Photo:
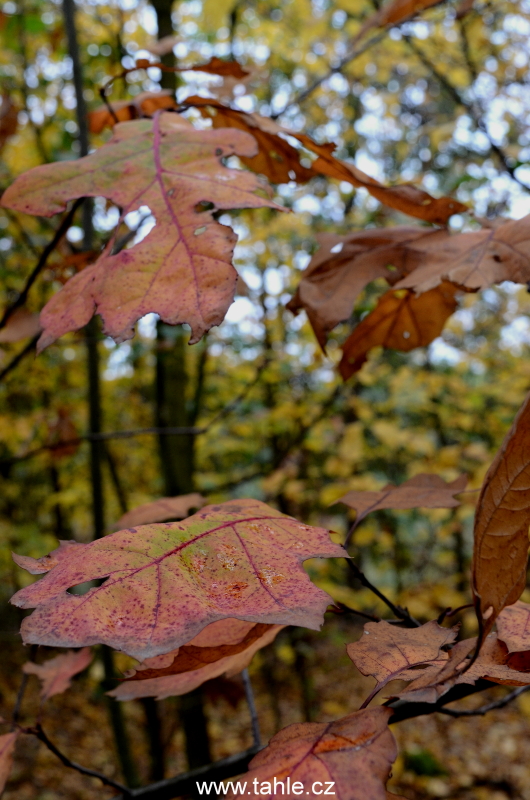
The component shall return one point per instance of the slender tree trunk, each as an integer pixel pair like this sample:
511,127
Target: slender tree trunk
94,396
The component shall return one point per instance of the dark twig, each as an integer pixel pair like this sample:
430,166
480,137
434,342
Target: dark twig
399,612
342,608
249,694
48,250
41,735
18,358
450,612
479,712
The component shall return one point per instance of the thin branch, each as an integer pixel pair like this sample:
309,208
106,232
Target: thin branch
455,94
450,612
249,694
48,250
342,608
304,94
41,735
399,612
479,712
18,358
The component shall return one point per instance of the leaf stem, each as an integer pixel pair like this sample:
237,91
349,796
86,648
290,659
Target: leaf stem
399,612
249,694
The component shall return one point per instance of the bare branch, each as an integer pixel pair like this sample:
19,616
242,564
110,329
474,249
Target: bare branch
249,694
399,612
479,712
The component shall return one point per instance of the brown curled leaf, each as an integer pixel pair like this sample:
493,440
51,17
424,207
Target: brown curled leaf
143,105
513,627
500,553
222,648
400,321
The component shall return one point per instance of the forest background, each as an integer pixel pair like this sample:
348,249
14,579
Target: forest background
441,102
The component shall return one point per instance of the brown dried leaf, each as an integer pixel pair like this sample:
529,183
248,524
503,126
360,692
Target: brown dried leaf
276,158
143,105
7,749
386,651
513,627
474,260
344,265
222,648
56,674
393,13
422,491
161,510
164,45
401,321
502,518
22,324
404,197
355,753
220,66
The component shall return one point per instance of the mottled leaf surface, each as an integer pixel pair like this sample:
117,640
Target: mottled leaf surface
182,269
56,674
160,510
386,651
167,581
502,519
356,753
400,321
422,491
222,648
513,627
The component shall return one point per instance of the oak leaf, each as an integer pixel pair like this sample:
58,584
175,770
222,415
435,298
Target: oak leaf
493,663
56,674
401,321
7,749
500,552
167,581
355,752
393,13
278,160
422,491
21,325
344,265
386,651
222,648
220,66
161,510
38,566
513,627
474,260
182,269
403,197
143,105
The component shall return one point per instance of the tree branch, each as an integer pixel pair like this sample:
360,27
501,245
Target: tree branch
479,712
41,736
400,613
249,694
18,358
48,250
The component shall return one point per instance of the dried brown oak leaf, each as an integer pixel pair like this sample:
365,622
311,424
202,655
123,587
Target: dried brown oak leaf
143,105
500,552
167,581
493,663
474,260
222,648
161,510
344,265
513,627
386,651
182,269
404,197
278,160
220,66
352,755
400,321
422,491
7,750
56,674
